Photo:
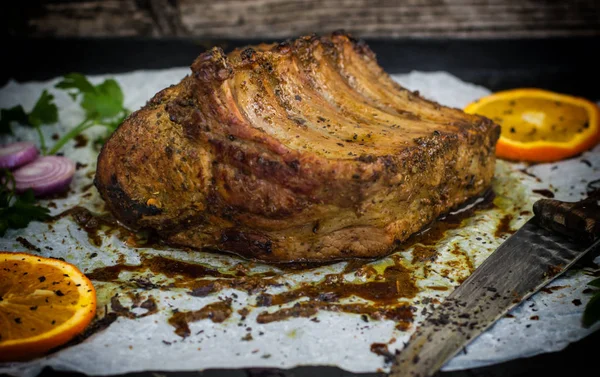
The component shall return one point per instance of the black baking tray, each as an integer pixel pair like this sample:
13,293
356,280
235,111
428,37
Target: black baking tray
561,64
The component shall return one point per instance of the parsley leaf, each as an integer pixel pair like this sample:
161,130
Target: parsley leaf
111,127
44,111
75,81
7,116
591,314
18,211
595,283
105,102
102,103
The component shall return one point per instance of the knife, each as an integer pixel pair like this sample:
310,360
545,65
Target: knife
558,235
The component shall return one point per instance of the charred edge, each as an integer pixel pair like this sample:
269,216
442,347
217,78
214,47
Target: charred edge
212,65
295,165
130,210
284,47
245,244
360,46
248,54
158,99
219,207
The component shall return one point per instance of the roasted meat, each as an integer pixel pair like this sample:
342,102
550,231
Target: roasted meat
299,151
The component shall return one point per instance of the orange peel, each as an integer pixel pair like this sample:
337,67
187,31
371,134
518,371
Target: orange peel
539,125
44,303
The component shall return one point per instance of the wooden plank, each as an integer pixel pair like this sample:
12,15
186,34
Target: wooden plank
288,18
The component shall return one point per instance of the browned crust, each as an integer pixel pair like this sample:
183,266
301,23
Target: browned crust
304,150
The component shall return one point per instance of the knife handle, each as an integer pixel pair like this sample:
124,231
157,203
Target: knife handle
577,220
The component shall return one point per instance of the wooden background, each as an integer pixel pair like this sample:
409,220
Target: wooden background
287,18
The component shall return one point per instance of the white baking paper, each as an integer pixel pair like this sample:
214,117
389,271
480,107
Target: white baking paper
338,339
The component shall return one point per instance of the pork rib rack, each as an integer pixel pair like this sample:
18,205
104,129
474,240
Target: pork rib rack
298,151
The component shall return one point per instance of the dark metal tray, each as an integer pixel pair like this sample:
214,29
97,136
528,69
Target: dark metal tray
559,64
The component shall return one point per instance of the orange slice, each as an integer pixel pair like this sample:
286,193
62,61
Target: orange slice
539,125
43,303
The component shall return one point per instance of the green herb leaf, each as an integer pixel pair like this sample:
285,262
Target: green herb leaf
111,127
14,114
595,283
18,211
75,81
591,314
105,103
44,111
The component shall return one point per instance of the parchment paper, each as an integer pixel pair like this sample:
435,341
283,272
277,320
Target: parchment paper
340,339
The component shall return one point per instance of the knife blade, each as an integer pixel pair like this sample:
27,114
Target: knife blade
558,235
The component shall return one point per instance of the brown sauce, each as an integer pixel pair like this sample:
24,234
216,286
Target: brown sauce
80,141
158,265
250,284
438,288
59,195
381,349
524,171
186,275
355,265
149,304
93,224
552,289
28,245
216,312
382,290
459,253
396,282
367,271
401,313
544,192
421,254
303,266
503,227
87,187
90,222
436,230
117,310
79,165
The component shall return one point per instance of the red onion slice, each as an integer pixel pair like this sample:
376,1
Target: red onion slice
17,154
46,175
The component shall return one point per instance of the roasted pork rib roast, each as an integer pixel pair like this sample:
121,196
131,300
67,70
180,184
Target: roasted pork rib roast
298,151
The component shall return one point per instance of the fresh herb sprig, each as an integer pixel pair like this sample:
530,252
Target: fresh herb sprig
44,112
102,103
103,106
591,313
17,211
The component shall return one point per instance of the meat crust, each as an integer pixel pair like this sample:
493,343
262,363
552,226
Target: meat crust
299,151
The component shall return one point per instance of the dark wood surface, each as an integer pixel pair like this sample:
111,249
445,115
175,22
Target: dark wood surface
560,64
288,18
